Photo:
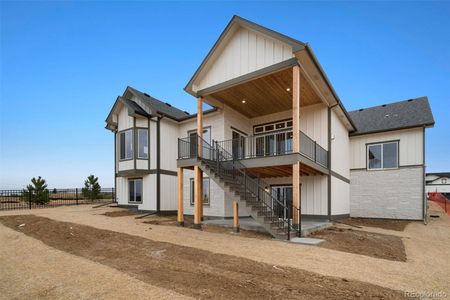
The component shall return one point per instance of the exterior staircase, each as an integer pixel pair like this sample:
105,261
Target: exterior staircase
242,186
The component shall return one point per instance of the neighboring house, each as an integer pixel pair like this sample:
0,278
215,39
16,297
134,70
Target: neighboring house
437,182
279,141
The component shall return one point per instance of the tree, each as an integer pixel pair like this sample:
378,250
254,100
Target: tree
91,188
37,191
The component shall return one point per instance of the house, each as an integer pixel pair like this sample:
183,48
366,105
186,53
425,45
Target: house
437,182
278,145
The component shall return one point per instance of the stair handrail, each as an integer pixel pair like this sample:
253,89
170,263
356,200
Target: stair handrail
222,156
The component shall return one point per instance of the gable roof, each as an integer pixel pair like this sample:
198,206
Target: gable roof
236,20
394,116
158,106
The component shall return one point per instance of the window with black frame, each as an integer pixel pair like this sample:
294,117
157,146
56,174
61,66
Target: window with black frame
206,188
135,190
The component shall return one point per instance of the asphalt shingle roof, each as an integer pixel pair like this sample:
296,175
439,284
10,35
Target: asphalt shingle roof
160,106
397,115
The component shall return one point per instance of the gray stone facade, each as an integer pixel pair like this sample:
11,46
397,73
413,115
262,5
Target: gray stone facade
392,194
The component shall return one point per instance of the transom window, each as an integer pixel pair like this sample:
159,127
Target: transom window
126,144
382,156
278,125
135,190
205,191
143,143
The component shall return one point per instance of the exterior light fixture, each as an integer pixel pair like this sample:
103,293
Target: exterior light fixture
288,89
243,101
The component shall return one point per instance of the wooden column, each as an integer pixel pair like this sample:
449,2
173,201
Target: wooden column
180,215
197,198
198,176
296,142
235,216
200,125
201,195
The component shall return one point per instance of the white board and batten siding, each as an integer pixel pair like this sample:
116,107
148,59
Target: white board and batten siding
340,163
148,192
314,196
410,147
244,51
396,193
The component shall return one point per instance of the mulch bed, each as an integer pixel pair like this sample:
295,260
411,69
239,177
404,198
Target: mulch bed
121,213
361,242
397,225
191,271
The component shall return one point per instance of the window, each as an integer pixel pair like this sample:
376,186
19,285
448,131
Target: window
382,156
143,143
205,191
135,190
126,144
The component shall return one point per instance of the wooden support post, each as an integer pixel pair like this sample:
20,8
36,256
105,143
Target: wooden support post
180,215
235,216
296,144
200,126
197,198
201,195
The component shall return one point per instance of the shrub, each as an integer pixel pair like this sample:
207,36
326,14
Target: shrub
91,188
37,191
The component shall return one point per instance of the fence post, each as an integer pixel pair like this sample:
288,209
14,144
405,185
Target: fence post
76,195
29,198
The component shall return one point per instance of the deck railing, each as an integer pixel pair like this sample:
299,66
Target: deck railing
273,144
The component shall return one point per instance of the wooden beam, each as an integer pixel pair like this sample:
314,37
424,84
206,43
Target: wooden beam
200,125
296,143
180,214
197,198
201,195
235,216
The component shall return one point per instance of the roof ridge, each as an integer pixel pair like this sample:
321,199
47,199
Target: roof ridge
390,103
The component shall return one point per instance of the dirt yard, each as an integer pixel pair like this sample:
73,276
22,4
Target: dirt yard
119,257
398,225
361,242
171,266
189,221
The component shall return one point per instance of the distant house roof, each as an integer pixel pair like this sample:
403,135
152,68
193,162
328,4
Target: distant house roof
441,174
398,115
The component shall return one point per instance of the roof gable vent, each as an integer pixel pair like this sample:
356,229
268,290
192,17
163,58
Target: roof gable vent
186,112
146,94
168,104
384,105
410,100
361,109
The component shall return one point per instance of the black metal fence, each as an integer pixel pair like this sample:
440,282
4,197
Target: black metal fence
23,199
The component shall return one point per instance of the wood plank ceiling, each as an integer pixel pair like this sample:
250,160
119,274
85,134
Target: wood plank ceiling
266,95
283,171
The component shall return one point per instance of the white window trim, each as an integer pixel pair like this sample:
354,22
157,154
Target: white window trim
382,156
120,144
138,144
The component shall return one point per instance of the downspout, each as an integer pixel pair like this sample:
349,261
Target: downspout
115,165
425,221
158,164
329,164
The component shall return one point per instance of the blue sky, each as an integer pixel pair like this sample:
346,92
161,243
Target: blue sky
62,64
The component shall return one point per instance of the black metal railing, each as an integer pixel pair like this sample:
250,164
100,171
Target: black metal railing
251,188
273,144
23,199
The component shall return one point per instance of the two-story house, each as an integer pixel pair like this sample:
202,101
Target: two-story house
279,142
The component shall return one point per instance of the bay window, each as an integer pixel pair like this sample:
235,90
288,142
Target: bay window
126,144
143,143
